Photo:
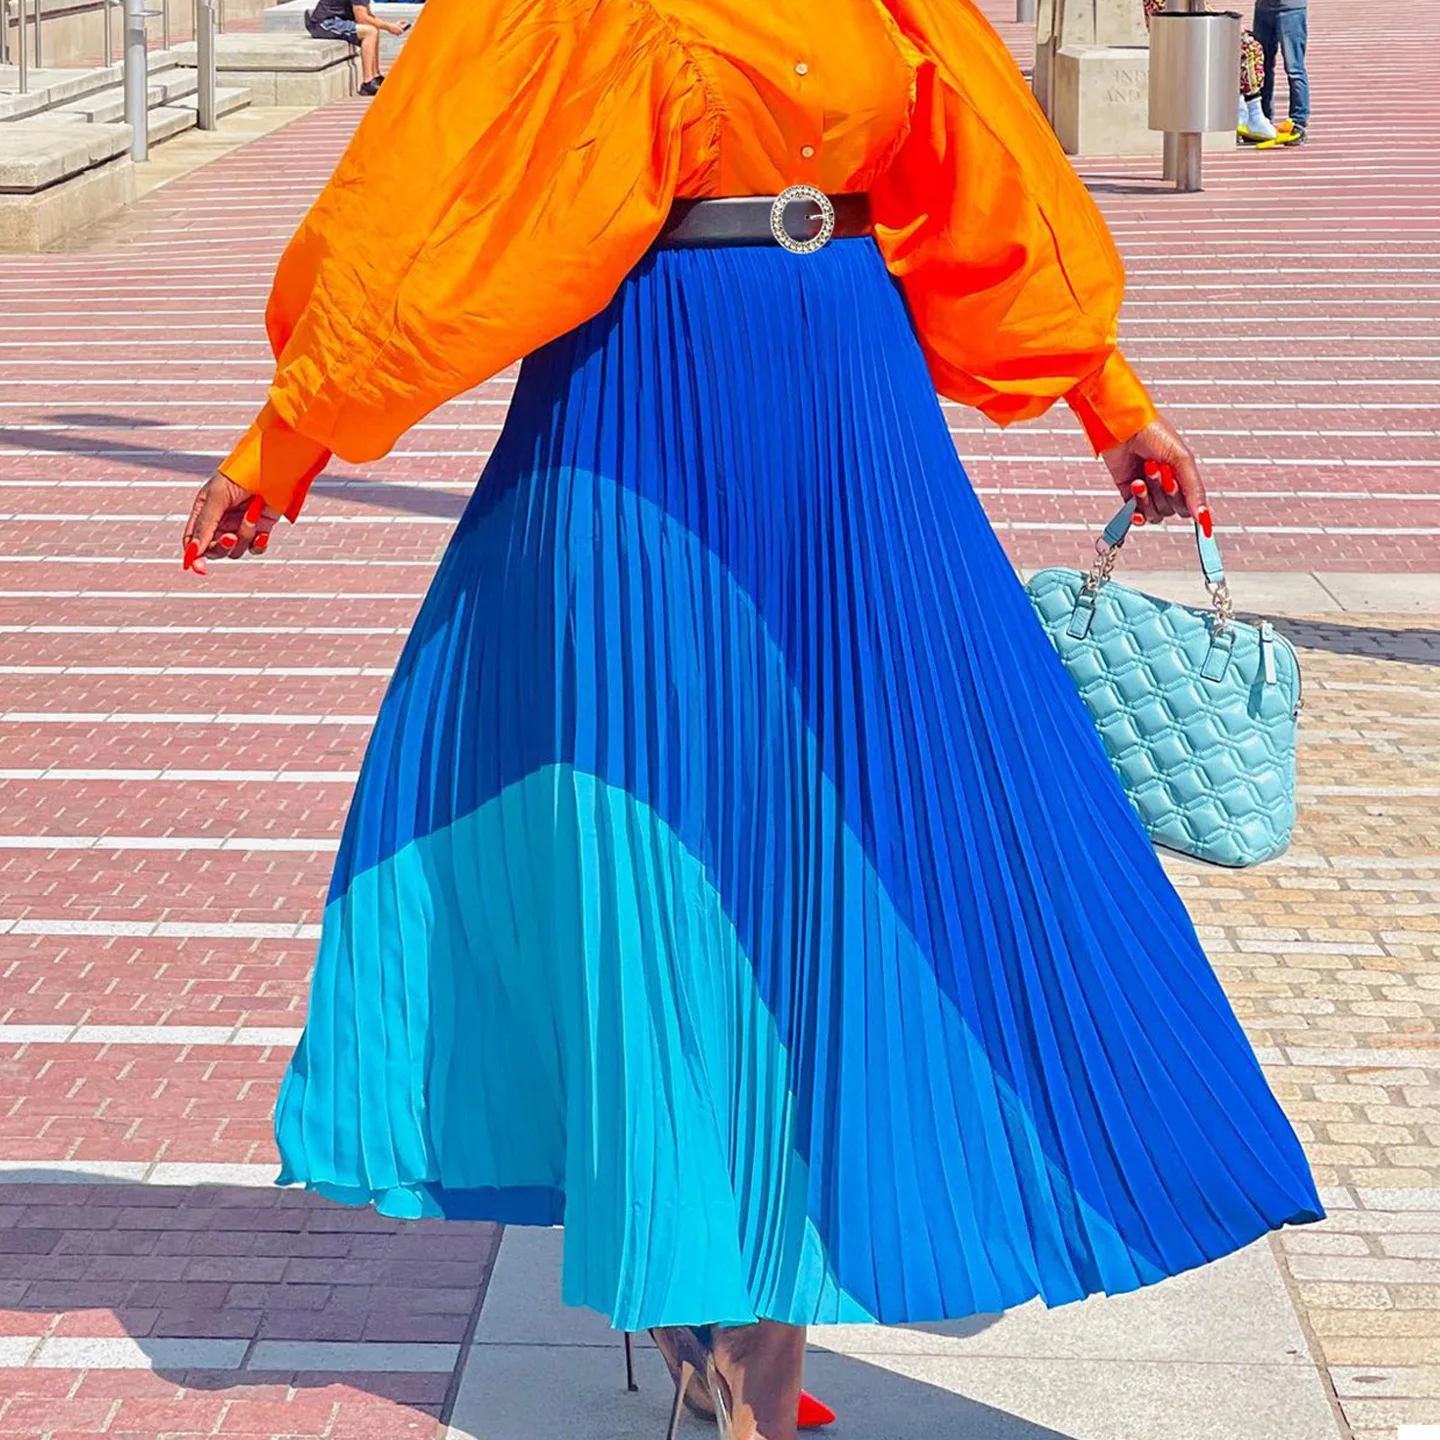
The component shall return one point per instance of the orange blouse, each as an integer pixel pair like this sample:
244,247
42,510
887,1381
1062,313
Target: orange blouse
523,154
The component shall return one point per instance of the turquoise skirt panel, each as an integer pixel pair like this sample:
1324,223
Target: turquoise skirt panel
735,876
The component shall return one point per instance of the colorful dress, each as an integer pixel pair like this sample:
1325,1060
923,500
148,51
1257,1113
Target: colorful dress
734,875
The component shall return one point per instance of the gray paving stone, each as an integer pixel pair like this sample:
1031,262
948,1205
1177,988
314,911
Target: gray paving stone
522,1305
1102,1370
63,1352
1420,1198
399,1357
1373,1267
506,1395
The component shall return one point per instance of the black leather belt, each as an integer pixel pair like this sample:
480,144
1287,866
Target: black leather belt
802,219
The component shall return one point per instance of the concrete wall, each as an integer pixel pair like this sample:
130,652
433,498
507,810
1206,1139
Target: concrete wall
74,33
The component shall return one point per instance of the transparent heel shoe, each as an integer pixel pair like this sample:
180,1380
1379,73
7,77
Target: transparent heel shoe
692,1351
813,1414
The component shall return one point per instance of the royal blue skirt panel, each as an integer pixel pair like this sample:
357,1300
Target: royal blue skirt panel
735,876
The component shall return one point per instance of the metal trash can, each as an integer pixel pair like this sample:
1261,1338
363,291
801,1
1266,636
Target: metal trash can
1194,80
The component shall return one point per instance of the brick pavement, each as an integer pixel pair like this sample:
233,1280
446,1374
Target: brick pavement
135,1307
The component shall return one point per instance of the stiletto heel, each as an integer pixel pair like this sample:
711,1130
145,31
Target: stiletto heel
682,1385
720,1393
693,1349
697,1352
630,1384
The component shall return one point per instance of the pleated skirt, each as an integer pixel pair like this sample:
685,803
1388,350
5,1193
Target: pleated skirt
735,878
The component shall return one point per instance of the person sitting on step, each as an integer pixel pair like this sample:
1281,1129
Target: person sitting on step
353,21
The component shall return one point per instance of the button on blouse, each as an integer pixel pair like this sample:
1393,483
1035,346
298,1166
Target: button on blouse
525,153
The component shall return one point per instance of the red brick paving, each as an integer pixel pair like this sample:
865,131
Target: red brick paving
1287,318
62,981
1281,315
155,1264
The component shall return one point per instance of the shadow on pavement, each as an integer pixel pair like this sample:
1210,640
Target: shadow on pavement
106,420
878,1404
1420,646
220,1288
389,495
576,1393
217,1289
376,494
152,457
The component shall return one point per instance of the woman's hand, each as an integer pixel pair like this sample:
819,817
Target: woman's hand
1156,469
225,520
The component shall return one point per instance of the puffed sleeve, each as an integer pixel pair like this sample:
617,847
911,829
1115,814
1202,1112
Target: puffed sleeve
1010,273
519,160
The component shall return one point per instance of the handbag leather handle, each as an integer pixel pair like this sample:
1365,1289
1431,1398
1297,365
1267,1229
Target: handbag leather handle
1207,548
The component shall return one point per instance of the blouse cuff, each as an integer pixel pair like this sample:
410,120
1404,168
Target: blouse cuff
275,461
1112,404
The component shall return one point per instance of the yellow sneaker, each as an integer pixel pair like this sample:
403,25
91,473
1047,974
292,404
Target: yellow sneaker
1293,136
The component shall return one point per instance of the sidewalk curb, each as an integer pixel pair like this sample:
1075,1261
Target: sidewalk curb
1309,592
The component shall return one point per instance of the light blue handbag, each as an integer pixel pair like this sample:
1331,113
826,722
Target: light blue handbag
1198,710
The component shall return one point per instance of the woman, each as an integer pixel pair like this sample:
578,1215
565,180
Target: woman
734,873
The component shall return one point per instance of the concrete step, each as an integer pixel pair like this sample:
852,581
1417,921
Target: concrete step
284,69
52,88
169,119
228,99
166,121
104,107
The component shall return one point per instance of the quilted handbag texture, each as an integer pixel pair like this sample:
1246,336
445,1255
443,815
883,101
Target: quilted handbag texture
1198,710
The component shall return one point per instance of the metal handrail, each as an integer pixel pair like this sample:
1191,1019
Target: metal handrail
205,64
23,45
24,50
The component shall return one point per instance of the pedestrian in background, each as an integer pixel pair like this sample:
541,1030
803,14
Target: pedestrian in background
354,22
1282,27
1254,125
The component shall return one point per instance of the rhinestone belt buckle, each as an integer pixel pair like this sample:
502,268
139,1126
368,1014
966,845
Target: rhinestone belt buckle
826,219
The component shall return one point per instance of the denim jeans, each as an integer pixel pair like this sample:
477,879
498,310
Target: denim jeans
1285,31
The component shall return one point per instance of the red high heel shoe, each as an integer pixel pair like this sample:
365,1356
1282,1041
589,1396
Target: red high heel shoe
813,1414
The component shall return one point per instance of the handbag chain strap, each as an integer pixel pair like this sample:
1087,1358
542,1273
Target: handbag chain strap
1107,554
1221,604
1104,566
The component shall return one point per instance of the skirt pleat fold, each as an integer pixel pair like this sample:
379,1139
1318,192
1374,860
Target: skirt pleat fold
735,876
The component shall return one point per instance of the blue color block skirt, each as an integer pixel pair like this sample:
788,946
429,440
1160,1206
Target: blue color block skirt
735,876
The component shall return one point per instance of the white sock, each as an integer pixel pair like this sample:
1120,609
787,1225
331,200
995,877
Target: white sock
1255,121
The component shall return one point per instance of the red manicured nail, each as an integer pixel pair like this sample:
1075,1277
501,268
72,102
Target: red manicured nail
1138,520
1152,468
1167,479
1207,521
1137,489
254,509
260,541
227,542
192,551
